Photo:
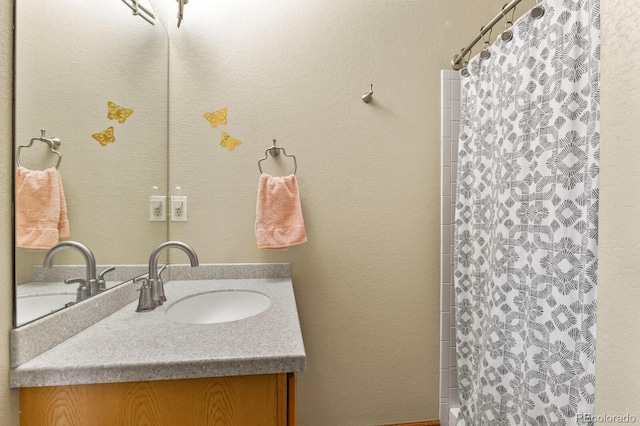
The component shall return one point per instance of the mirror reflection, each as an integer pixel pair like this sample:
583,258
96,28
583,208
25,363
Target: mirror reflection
93,76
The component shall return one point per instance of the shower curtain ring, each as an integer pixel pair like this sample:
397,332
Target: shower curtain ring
538,11
485,54
464,71
507,34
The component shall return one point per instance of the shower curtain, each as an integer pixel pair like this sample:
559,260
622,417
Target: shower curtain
526,234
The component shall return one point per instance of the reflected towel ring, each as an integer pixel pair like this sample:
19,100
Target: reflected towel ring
54,143
275,151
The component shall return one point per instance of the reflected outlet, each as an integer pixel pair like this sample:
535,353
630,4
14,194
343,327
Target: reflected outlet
157,208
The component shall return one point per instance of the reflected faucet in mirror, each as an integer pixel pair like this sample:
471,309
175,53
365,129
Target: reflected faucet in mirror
134,48
152,290
88,286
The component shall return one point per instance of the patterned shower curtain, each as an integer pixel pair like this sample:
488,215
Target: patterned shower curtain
527,223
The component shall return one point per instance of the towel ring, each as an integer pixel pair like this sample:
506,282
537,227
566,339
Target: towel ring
54,143
275,151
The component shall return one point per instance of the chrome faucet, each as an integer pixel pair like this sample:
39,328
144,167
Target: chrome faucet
154,281
89,286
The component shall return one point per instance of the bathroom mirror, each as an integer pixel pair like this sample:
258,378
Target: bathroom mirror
94,75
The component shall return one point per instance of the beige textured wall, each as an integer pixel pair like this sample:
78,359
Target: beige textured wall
8,398
618,369
368,298
122,59
366,282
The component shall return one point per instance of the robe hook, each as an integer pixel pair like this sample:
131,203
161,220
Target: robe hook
366,98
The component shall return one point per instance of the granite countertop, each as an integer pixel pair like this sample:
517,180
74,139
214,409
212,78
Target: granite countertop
132,346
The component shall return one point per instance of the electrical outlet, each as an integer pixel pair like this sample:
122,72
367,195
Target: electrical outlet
179,208
157,208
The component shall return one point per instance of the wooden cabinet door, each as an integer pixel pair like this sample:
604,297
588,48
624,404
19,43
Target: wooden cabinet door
262,400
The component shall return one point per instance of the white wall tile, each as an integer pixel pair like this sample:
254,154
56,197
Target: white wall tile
445,305
450,97
453,396
455,110
445,273
445,323
446,151
446,92
446,182
445,239
445,261
445,358
446,123
444,414
453,375
456,90
446,205
445,375
455,130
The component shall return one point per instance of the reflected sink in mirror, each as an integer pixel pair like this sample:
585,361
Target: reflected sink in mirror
29,308
56,72
218,306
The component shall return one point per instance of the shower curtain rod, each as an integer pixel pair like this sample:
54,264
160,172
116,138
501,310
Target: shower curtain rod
456,62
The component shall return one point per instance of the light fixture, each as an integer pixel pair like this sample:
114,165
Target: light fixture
181,4
145,12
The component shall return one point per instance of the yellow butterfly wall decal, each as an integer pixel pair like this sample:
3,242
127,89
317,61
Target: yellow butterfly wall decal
116,112
216,118
105,137
229,142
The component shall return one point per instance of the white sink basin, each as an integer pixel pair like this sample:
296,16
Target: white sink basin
218,306
29,308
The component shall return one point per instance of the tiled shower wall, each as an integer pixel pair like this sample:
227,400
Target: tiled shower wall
450,113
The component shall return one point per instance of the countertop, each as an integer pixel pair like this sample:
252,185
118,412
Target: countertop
131,346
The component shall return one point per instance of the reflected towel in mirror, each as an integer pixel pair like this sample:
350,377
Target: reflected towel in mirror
279,221
41,209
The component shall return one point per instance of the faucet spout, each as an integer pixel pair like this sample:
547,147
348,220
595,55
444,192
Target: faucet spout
89,259
155,254
156,284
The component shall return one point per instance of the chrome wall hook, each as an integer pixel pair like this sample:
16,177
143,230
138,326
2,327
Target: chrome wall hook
366,98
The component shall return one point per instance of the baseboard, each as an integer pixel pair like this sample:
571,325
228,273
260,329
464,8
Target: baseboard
423,423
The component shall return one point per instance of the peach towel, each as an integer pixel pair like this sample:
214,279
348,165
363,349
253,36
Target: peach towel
41,209
279,222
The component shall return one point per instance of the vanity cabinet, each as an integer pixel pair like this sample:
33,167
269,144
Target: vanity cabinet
264,400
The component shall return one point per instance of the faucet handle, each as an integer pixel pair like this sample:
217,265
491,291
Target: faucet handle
84,292
160,286
145,302
102,284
